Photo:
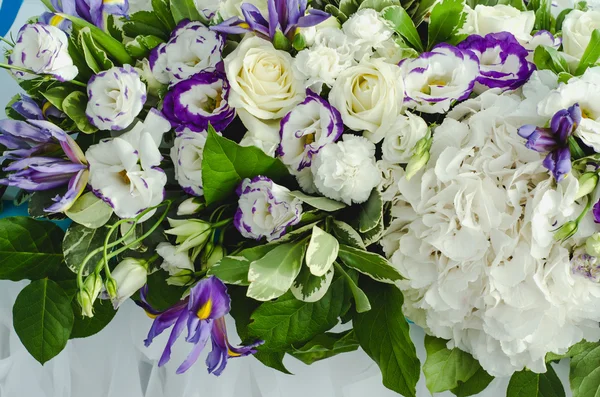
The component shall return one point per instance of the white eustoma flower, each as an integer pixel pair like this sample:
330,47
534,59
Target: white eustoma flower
124,170
369,97
366,31
187,153
263,83
403,136
346,171
174,261
499,18
116,97
130,275
192,48
577,30
43,49
585,91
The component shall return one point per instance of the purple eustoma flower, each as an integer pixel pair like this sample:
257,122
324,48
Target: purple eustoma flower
596,212
33,145
203,312
554,140
199,101
93,11
285,16
502,61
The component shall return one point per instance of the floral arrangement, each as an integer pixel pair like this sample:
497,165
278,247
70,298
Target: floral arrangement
319,171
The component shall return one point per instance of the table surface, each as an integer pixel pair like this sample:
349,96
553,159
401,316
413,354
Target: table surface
115,362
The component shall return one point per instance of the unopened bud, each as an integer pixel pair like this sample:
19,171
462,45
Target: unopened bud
587,183
130,276
191,233
592,245
89,293
190,206
299,42
281,42
566,231
420,157
181,278
111,288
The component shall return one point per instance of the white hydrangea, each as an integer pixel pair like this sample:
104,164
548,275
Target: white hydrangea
473,234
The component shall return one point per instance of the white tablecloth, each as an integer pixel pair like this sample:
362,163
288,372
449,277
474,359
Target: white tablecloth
115,362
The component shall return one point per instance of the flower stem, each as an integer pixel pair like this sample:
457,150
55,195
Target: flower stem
7,42
588,205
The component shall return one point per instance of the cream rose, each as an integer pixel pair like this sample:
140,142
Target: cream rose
502,18
262,79
369,96
577,30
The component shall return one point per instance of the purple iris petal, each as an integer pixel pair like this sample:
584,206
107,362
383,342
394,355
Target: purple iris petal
93,11
209,300
596,212
559,163
541,140
565,121
28,108
222,350
313,18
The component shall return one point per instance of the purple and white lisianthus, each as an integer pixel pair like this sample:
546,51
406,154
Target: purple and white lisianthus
265,209
187,153
43,49
437,79
93,11
199,101
32,145
203,312
116,97
541,38
554,140
192,48
502,61
124,171
310,126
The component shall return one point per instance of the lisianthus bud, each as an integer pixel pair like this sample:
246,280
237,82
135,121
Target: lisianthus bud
587,183
592,245
191,233
181,278
111,288
565,231
299,42
130,275
190,206
88,295
281,42
420,156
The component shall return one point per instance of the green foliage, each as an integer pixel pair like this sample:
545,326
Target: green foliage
585,372
74,106
161,295
29,249
225,164
371,212
591,54
325,346
530,384
162,9
475,385
403,25
347,235
185,9
548,58
447,17
145,23
57,95
95,57
573,351
361,301
322,251
383,333
320,203
378,5
43,199
543,15
234,269
80,241
43,319
310,288
84,327
369,263
90,211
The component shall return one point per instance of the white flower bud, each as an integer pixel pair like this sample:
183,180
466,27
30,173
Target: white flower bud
130,275
190,206
86,297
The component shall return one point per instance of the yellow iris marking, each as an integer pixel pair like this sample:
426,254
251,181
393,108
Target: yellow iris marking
205,310
152,316
112,2
56,20
244,25
232,354
45,108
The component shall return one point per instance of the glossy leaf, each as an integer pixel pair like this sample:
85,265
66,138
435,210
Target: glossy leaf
403,25
90,211
85,327
320,203
310,288
79,241
322,251
371,264
530,384
74,106
585,372
234,269
361,300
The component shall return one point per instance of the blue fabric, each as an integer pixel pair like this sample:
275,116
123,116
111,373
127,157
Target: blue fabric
8,14
9,209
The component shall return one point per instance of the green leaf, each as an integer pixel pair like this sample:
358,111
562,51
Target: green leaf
29,249
475,385
347,235
90,211
383,333
85,326
225,164
573,351
74,106
43,319
322,251
371,212
371,264
145,23
234,269
548,58
543,16
422,10
445,368
518,4
447,17
585,372
272,275
57,95
185,9
360,298
310,288
162,10
79,241
335,12
530,384
374,235
272,360
403,25
289,322
242,308
378,5
349,7
320,203
112,28
95,57
591,54
561,18
161,295
325,346
43,199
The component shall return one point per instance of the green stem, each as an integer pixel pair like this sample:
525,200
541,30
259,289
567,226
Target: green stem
7,42
48,4
18,68
79,83
222,223
576,151
588,205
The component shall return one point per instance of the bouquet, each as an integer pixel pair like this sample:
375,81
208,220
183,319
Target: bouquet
320,171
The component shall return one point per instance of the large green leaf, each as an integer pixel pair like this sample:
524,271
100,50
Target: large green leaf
346,234
447,17
573,351
56,95
272,275
29,249
548,58
585,372
90,211
325,346
371,212
289,322
74,106
161,295
322,251
79,241
85,326
310,288
162,10
361,300
445,368
403,25
145,23
591,54
383,333
43,319
95,57
530,384
369,263
225,164
475,385
185,9
234,269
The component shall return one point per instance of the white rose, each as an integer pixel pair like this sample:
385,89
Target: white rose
346,171
233,8
262,79
116,97
43,49
504,18
402,138
187,153
369,97
577,30
130,275
366,31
